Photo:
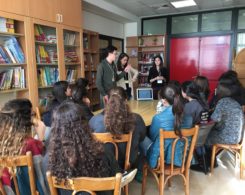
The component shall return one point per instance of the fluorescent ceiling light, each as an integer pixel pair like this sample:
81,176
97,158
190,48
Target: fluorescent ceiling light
185,3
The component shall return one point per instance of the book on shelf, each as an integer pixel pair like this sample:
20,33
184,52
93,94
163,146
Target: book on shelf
47,76
7,25
71,75
13,78
69,38
11,52
39,33
71,56
42,55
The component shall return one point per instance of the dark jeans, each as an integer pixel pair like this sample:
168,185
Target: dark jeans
128,91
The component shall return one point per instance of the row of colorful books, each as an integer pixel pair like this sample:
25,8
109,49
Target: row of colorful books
7,25
46,55
47,76
11,52
12,78
40,35
71,75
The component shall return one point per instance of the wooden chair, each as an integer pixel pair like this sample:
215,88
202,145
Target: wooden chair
203,132
125,138
19,161
170,170
237,149
86,184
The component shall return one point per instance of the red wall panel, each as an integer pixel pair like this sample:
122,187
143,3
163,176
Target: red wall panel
184,54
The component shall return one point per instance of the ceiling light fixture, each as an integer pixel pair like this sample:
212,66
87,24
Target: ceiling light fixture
185,3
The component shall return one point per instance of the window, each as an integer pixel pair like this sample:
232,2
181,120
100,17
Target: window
184,24
240,42
154,26
241,19
216,21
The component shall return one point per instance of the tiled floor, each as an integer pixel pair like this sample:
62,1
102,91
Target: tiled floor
224,181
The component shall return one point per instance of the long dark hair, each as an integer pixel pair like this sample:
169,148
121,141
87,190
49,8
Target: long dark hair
118,117
203,85
15,126
154,64
73,152
119,65
170,93
192,90
78,93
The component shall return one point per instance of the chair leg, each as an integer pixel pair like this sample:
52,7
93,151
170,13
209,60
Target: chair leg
144,175
126,190
204,161
187,187
161,184
169,182
213,158
241,162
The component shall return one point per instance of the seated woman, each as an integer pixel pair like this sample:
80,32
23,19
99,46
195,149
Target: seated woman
15,139
118,119
195,106
78,94
172,118
61,92
73,152
228,116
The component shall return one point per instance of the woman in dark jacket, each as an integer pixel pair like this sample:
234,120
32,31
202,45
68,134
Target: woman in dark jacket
158,75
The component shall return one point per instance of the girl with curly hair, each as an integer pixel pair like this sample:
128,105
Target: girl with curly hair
118,119
73,152
16,124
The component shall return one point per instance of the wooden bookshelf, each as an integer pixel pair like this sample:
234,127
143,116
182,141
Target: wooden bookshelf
91,61
141,50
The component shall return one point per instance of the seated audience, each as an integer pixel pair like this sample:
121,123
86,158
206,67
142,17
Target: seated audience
195,105
78,94
16,125
61,92
171,119
118,119
73,152
84,84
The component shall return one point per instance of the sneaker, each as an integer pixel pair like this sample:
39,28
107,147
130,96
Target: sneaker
139,176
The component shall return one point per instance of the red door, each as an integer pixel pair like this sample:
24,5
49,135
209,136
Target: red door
184,54
214,58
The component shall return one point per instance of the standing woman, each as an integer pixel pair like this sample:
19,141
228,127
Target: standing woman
158,75
129,78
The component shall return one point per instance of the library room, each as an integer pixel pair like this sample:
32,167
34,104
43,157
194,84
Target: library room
122,97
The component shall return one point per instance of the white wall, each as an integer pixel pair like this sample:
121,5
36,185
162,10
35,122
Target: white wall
102,25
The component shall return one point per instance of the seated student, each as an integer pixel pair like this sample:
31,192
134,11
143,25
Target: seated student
73,152
78,94
195,105
61,92
228,116
170,119
118,119
203,86
15,139
84,84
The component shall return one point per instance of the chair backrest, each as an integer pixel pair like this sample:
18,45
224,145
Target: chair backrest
86,184
124,138
12,162
189,137
203,132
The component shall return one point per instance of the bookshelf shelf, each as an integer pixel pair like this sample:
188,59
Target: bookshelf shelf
12,65
47,64
73,64
7,34
12,90
74,46
45,87
46,43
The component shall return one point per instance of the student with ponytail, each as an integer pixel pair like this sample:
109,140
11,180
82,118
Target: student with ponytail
171,119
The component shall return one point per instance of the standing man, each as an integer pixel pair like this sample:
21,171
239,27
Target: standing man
107,76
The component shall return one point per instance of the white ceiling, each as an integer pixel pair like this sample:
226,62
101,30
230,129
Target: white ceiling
146,8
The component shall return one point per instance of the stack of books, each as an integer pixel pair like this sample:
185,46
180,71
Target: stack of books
39,33
69,38
42,54
71,56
